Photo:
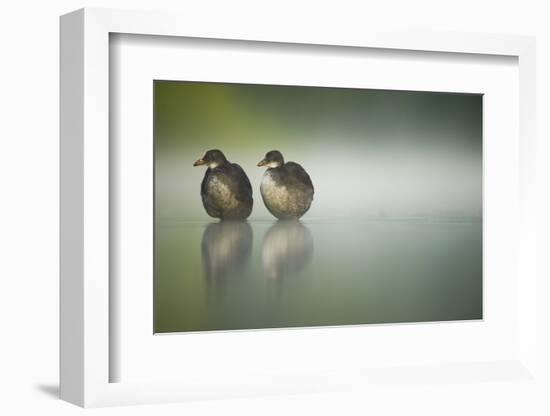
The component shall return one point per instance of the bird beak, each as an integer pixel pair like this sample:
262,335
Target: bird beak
199,162
262,162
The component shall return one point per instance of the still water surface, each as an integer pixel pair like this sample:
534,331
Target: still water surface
248,275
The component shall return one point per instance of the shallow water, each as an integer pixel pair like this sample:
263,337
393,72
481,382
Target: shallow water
244,275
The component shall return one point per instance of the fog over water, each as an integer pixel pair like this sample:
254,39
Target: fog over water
394,233
369,153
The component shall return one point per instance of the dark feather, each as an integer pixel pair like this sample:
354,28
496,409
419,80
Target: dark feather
289,192
233,177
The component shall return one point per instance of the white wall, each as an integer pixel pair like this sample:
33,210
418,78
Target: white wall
29,216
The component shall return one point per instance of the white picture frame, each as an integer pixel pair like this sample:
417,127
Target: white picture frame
85,203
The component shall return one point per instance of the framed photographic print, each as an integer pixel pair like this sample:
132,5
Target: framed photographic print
228,197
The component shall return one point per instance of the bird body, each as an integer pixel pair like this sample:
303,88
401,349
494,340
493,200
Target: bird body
286,188
225,190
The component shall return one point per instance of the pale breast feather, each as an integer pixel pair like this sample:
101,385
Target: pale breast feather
274,194
220,192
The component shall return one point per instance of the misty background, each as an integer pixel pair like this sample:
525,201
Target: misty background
394,233
370,153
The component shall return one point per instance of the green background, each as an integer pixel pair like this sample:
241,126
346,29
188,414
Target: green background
394,231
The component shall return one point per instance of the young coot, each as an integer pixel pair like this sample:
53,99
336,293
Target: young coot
225,190
286,188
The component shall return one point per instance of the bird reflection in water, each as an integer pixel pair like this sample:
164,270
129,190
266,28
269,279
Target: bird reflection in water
287,249
226,248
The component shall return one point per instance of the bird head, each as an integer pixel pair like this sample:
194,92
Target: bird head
272,159
212,159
